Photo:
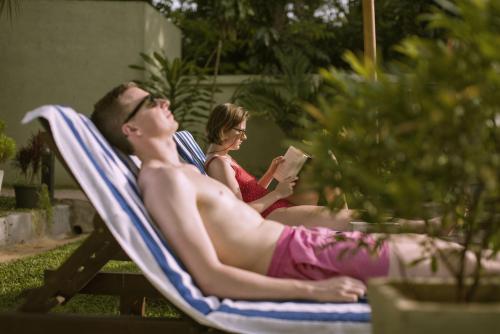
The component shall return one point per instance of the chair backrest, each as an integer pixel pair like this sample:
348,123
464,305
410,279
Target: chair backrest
111,187
187,147
189,150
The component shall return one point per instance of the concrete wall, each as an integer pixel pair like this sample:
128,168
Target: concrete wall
70,52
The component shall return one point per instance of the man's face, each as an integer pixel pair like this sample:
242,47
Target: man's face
150,114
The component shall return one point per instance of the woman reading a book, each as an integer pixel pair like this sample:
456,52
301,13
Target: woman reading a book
226,131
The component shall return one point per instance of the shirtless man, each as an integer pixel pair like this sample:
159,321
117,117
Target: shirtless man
229,249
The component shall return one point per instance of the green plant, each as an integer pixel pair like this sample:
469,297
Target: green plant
280,98
425,134
28,159
180,82
44,202
7,145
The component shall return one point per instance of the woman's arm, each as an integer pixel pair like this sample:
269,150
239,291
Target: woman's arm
221,170
266,179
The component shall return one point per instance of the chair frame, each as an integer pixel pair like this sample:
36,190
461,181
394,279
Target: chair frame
81,273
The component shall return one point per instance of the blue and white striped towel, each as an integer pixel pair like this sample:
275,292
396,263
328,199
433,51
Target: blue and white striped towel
189,150
112,189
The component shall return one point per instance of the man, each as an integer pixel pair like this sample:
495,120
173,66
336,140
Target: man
225,244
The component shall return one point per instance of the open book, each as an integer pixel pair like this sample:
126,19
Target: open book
294,160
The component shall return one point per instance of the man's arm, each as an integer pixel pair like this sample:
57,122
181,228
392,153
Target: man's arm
170,198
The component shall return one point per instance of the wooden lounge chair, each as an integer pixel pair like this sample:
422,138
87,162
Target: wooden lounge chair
123,230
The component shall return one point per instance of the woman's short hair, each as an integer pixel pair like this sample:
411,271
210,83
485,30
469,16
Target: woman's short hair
223,118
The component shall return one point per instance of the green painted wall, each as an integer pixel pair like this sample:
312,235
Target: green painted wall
71,52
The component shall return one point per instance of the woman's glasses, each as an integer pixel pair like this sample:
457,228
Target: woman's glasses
241,132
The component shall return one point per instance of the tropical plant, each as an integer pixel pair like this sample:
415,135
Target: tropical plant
29,157
184,85
7,145
280,98
427,132
250,30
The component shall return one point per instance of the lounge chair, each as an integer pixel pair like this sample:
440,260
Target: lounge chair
125,230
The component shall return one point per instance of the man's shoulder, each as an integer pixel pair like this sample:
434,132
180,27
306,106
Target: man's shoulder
162,174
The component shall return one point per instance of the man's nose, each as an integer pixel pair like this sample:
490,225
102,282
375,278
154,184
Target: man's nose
165,103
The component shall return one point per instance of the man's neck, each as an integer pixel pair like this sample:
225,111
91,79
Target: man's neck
159,149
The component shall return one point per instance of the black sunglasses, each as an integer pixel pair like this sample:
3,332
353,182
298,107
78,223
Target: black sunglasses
148,100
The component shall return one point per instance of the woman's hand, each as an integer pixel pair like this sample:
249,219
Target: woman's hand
268,176
285,188
275,163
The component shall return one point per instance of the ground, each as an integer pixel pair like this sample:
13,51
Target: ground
17,251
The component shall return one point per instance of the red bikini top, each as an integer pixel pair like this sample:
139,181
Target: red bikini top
250,189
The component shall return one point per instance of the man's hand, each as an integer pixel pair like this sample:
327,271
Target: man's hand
338,289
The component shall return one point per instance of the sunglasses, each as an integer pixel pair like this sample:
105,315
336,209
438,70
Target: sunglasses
149,101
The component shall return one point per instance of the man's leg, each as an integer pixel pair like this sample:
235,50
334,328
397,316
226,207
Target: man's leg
407,249
312,216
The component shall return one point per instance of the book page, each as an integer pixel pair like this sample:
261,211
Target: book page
294,160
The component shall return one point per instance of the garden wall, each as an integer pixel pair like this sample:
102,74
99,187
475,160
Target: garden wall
70,52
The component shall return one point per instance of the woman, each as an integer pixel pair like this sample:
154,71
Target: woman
226,131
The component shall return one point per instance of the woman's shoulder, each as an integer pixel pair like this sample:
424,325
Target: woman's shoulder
219,160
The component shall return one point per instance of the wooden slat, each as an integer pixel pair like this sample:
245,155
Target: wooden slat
32,323
132,305
117,284
75,273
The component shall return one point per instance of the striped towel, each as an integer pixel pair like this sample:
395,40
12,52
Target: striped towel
112,189
189,150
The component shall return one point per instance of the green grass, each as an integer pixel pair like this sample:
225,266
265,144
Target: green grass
26,273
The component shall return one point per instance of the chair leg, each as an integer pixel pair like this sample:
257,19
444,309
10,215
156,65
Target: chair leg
75,273
132,305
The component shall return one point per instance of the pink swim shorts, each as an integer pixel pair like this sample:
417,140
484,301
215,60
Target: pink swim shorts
320,253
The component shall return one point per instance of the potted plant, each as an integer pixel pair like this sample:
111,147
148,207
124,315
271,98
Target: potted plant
423,137
7,150
28,161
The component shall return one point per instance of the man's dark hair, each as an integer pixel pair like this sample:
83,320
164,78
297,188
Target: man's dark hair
109,115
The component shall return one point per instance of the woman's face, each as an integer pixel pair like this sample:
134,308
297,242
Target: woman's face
235,136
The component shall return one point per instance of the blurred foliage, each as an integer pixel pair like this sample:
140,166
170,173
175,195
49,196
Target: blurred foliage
7,145
425,134
183,84
322,29
280,98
